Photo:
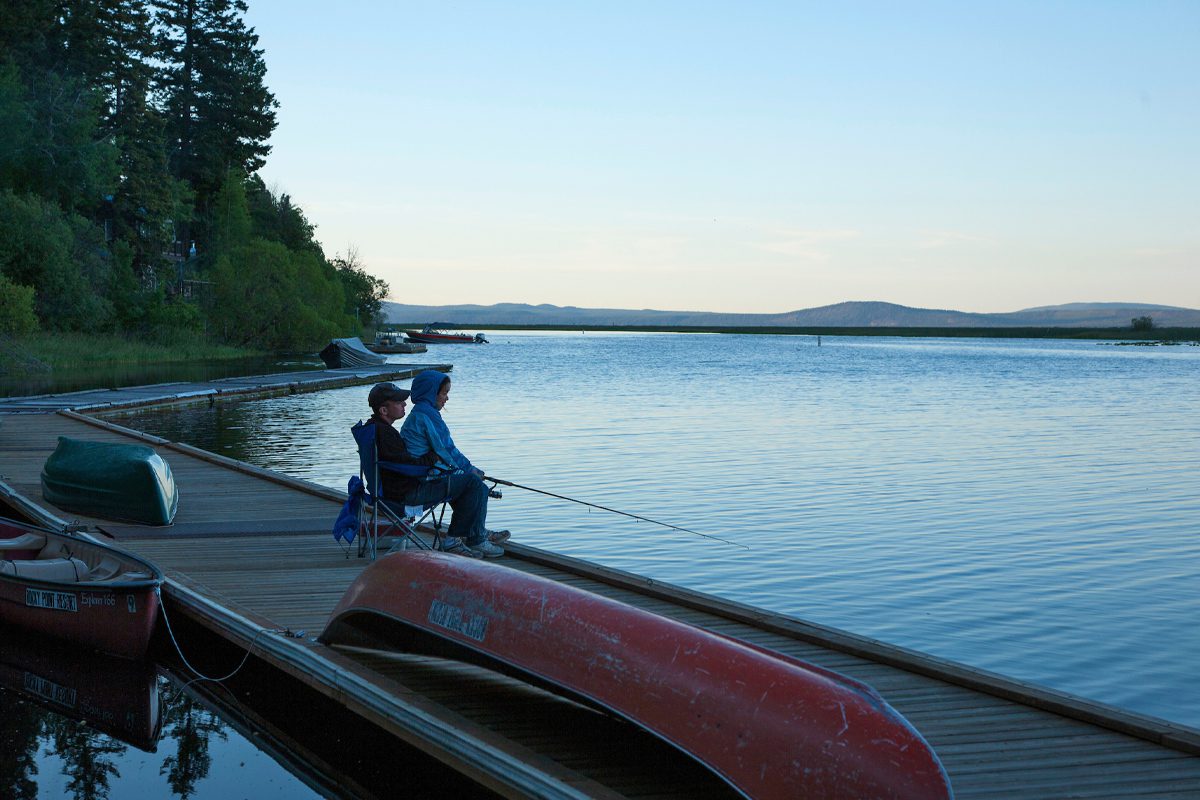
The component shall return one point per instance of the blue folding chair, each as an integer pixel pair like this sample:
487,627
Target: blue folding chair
399,520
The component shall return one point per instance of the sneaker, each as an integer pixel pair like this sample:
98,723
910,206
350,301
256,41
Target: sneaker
496,537
456,546
486,549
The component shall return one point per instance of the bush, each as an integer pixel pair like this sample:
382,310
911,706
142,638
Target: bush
16,308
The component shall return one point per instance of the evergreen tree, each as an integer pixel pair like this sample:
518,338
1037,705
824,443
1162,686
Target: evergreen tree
108,45
148,199
219,110
127,125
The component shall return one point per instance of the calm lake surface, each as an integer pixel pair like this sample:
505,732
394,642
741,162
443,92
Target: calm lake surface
1025,506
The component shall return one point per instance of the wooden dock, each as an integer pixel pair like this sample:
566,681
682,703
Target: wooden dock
97,401
251,558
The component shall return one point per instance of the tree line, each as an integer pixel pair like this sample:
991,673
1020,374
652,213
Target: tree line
131,132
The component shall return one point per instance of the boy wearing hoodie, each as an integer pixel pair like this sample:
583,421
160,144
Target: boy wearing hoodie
425,435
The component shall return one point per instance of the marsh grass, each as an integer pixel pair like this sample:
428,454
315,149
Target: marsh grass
67,350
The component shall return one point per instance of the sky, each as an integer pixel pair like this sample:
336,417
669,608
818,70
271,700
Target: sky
750,156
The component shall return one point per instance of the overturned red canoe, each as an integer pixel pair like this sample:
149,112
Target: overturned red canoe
771,726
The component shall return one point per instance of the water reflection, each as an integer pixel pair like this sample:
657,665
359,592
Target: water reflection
89,727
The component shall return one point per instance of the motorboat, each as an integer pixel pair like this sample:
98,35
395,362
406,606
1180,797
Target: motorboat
393,342
442,333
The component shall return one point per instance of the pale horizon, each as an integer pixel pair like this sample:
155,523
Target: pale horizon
745,158
1119,303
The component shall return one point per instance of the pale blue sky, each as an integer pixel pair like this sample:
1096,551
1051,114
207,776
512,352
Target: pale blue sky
746,156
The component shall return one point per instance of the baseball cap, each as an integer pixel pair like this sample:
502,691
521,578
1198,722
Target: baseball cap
382,392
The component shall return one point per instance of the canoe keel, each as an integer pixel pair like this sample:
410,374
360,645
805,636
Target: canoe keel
770,725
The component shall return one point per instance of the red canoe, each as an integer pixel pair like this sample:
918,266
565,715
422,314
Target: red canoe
77,589
770,725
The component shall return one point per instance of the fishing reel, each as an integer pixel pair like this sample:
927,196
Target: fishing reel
495,493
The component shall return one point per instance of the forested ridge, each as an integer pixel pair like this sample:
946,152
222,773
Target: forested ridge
131,132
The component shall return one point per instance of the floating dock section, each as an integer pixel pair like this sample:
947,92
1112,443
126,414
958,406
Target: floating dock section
251,558
96,401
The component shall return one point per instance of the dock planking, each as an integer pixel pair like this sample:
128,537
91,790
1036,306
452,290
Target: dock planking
251,557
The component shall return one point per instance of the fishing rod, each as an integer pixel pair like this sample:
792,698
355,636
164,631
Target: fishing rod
613,510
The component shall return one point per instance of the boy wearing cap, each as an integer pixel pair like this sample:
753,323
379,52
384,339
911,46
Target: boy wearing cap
466,493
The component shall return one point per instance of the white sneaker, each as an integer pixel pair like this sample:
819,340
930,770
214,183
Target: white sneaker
486,549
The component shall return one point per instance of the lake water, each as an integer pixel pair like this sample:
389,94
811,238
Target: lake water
1024,506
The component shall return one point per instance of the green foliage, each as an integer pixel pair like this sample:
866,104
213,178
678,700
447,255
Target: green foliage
219,110
129,131
364,292
230,217
16,308
60,256
270,297
52,145
1143,323
152,314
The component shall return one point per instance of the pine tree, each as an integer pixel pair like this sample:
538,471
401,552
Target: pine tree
220,112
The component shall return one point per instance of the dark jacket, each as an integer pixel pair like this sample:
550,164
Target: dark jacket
390,447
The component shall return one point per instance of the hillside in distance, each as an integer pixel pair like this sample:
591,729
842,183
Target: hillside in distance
840,315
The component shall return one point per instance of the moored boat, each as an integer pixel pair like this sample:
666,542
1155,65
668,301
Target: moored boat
77,589
393,342
343,353
771,726
440,333
110,480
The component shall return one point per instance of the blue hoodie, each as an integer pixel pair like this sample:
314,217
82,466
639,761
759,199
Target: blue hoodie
425,430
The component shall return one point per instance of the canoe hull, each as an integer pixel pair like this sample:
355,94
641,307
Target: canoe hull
115,616
128,482
771,726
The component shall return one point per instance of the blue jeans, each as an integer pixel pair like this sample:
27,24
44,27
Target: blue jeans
468,497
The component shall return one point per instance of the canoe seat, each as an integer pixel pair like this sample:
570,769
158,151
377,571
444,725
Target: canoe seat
65,570
25,546
26,541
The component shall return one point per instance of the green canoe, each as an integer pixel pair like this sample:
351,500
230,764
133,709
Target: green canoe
128,482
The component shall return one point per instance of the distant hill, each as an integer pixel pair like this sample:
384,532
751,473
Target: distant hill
839,315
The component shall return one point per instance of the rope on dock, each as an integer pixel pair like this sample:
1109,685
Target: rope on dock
200,675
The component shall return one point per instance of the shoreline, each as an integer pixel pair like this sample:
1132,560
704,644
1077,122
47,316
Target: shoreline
1123,334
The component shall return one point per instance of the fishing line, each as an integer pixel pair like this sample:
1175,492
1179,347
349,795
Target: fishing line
615,511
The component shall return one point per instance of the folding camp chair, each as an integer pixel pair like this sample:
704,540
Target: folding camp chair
398,520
